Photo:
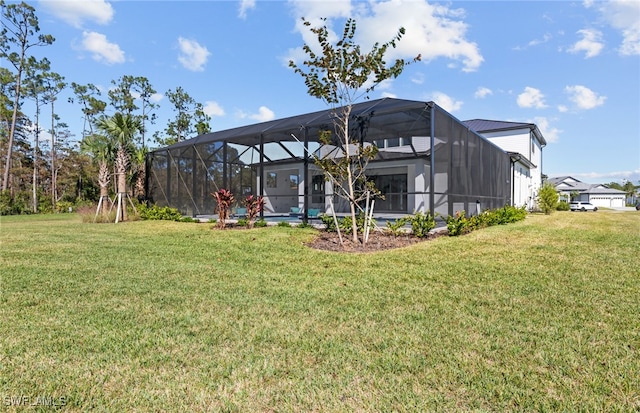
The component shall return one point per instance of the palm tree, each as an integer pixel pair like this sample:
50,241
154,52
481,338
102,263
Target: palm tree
121,130
138,171
102,152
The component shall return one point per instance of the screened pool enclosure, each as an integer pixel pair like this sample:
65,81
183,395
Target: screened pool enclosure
427,161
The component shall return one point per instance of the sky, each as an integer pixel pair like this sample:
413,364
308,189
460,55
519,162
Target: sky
570,67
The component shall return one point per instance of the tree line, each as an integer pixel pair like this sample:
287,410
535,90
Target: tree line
42,164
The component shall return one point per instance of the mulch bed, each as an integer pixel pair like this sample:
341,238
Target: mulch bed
329,241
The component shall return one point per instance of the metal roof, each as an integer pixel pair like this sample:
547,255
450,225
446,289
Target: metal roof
488,126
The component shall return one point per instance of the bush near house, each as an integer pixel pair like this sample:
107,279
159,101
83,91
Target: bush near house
547,198
460,224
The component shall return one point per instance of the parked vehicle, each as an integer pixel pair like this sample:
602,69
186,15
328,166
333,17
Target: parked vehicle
637,207
582,206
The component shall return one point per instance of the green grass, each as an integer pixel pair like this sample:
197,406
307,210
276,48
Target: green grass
542,315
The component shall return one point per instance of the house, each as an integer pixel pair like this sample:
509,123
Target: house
571,189
523,142
427,161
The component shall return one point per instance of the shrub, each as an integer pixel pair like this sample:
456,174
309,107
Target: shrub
17,205
508,214
261,223
64,206
254,205
329,223
458,224
563,206
547,198
155,212
242,222
346,224
224,199
395,227
284,224
305,225
421,224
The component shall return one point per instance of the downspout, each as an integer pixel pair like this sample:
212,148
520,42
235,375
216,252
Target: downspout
513,180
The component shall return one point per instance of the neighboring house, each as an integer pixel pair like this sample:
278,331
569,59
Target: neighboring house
523,142
427,161
571,189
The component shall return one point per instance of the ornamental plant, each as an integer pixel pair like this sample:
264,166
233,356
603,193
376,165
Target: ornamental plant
421,224
254,205
224,199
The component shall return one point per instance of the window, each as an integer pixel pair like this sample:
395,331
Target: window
293,182
317,189
394,188
272,180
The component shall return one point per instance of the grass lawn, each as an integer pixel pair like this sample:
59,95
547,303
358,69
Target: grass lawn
542,315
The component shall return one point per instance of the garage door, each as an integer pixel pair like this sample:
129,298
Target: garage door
617,202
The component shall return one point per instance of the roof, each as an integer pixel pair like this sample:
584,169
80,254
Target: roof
568,183
391,116
487,126
518,157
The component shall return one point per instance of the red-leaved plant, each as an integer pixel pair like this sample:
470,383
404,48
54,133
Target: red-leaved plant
254,205
225,199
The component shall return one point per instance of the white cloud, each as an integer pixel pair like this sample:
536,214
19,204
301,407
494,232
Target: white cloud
76,12
156,97
432,30
244,6
544,39
606,177
583,97
192,55
483,92
591,43
102,50
550,133
418,78
531,98
264,114
212,109
446,102
623,15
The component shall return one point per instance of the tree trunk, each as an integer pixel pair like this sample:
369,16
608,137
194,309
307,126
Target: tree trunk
122,161
12,130
53,158
350,188
103,181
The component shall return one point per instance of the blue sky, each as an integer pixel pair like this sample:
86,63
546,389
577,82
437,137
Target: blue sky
571,67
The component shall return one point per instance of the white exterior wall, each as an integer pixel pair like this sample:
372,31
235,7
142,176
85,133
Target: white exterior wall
521,186
526,184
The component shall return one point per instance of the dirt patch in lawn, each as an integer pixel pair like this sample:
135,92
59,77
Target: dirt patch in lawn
329,241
